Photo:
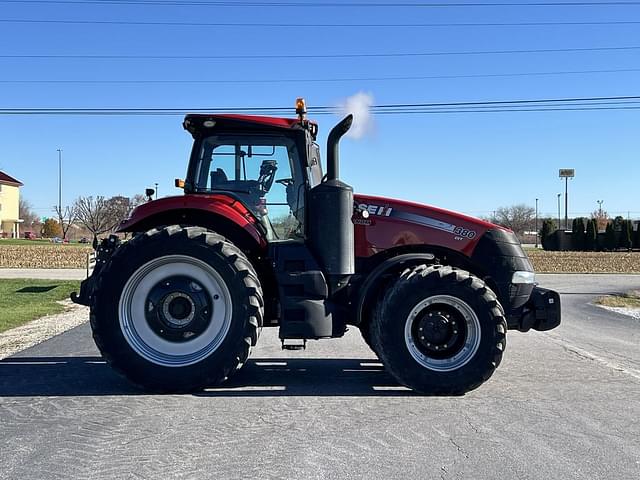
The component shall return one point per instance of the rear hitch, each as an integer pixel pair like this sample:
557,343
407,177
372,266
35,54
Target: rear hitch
107,247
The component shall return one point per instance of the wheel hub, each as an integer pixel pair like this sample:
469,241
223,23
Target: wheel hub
178,309
438,330
442,333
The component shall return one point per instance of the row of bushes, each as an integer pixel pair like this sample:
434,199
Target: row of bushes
584,236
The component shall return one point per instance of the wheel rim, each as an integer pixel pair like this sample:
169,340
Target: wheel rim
442,333
175,311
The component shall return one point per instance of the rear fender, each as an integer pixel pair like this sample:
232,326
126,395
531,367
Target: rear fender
221,213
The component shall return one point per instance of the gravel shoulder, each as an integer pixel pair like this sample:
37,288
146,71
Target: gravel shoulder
42,329
631,312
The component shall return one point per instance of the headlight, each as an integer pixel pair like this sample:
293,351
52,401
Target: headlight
523,277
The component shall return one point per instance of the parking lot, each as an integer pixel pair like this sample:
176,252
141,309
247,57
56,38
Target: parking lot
563,404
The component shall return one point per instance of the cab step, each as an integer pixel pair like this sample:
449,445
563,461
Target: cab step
294,344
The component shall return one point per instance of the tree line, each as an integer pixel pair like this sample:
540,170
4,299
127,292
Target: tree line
618,234
97,215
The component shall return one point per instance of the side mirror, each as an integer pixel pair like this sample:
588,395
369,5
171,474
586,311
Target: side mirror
179,183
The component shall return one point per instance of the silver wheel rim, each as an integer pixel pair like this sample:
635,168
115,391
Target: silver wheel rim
149,345
471,342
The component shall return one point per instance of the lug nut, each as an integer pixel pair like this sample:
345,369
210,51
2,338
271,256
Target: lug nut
455,331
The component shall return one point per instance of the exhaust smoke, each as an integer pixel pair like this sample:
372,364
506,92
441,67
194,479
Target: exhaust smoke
360,106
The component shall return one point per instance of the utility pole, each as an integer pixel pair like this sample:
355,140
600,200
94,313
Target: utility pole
60,181
156,191
536,223
559,195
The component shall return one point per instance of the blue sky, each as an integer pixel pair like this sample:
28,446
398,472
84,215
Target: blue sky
468,162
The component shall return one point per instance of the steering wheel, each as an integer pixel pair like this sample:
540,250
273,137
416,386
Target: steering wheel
285,181
267,175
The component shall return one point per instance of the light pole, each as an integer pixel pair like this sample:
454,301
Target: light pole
600,202
60,181
559,195
566,173
536,223
156,191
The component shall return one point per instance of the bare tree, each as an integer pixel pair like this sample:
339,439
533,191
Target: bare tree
31,219
66,217
602,218
519,218
94,214
101,215
119,209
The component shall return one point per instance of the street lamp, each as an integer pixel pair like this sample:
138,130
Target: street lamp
60,180
156,191
600,202
536,223
559,195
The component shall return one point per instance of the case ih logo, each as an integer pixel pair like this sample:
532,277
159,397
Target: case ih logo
381,211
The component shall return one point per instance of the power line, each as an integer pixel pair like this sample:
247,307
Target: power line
425,112
310,80
318,25
317,56
330,4
522,105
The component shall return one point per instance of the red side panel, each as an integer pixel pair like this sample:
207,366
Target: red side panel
219,204
393,223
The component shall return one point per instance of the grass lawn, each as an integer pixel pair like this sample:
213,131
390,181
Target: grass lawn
629,300
24,300
40,241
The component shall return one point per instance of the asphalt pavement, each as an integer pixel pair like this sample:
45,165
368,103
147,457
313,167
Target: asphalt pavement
564,404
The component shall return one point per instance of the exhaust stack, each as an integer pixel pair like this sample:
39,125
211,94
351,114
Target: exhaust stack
330,211
333,152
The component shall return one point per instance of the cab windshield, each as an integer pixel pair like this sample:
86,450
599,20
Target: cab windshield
262,171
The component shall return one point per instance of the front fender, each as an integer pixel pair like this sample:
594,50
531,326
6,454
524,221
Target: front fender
368,288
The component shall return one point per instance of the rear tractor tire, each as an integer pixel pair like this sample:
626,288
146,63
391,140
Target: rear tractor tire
177,309
439,330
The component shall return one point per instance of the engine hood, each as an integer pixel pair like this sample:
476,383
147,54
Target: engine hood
393,223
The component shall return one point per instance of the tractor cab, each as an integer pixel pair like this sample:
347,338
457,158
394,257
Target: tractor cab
268,164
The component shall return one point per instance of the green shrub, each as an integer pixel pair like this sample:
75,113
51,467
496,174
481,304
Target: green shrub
610,237
626,241
591,239
548,227
577,234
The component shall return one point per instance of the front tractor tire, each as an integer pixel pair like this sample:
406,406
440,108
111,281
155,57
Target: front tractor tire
439,330
177,309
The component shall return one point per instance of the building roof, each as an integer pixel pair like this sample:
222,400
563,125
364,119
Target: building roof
9,180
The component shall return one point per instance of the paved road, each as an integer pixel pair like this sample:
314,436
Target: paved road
563,405
44,273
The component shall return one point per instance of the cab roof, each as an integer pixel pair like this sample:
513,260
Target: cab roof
195,122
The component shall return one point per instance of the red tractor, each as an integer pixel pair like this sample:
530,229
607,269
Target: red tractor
263,237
